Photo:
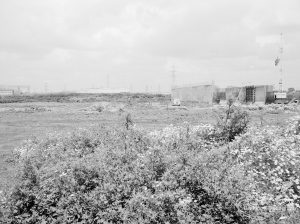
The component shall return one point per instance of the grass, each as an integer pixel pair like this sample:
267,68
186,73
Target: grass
191,173
66,112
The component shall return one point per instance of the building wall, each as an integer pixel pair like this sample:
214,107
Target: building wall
16,90
269,88
200,94
220,94
264,93
242,95
232,93
260,94
6,92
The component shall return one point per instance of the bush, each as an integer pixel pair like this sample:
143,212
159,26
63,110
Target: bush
177,175
271,156
232,123
92,176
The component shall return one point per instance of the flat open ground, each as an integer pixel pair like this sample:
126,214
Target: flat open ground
20,121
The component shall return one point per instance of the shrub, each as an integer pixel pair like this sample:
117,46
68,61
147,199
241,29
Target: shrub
176,175
271,156
232,123
90,177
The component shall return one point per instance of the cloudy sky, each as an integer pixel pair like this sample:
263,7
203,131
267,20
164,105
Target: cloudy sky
77,44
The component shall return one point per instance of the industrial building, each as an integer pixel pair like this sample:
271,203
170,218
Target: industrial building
195,93
251,94
13,90
208,94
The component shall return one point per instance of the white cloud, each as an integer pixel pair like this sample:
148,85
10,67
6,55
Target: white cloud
138,41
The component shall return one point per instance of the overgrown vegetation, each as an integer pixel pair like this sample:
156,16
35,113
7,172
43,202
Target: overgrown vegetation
232,123
84,97
227,173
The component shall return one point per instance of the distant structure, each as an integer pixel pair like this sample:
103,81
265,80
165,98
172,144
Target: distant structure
210,93
6,90
250,94
200,93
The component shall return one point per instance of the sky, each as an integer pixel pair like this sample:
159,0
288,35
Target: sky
74,45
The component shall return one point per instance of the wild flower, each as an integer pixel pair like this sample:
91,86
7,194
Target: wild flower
180,174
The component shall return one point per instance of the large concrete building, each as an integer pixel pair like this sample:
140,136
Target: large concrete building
250,94
208,94
195,93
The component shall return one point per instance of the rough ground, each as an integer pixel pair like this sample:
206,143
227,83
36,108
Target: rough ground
23,120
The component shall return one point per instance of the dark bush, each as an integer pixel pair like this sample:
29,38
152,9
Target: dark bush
232,123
